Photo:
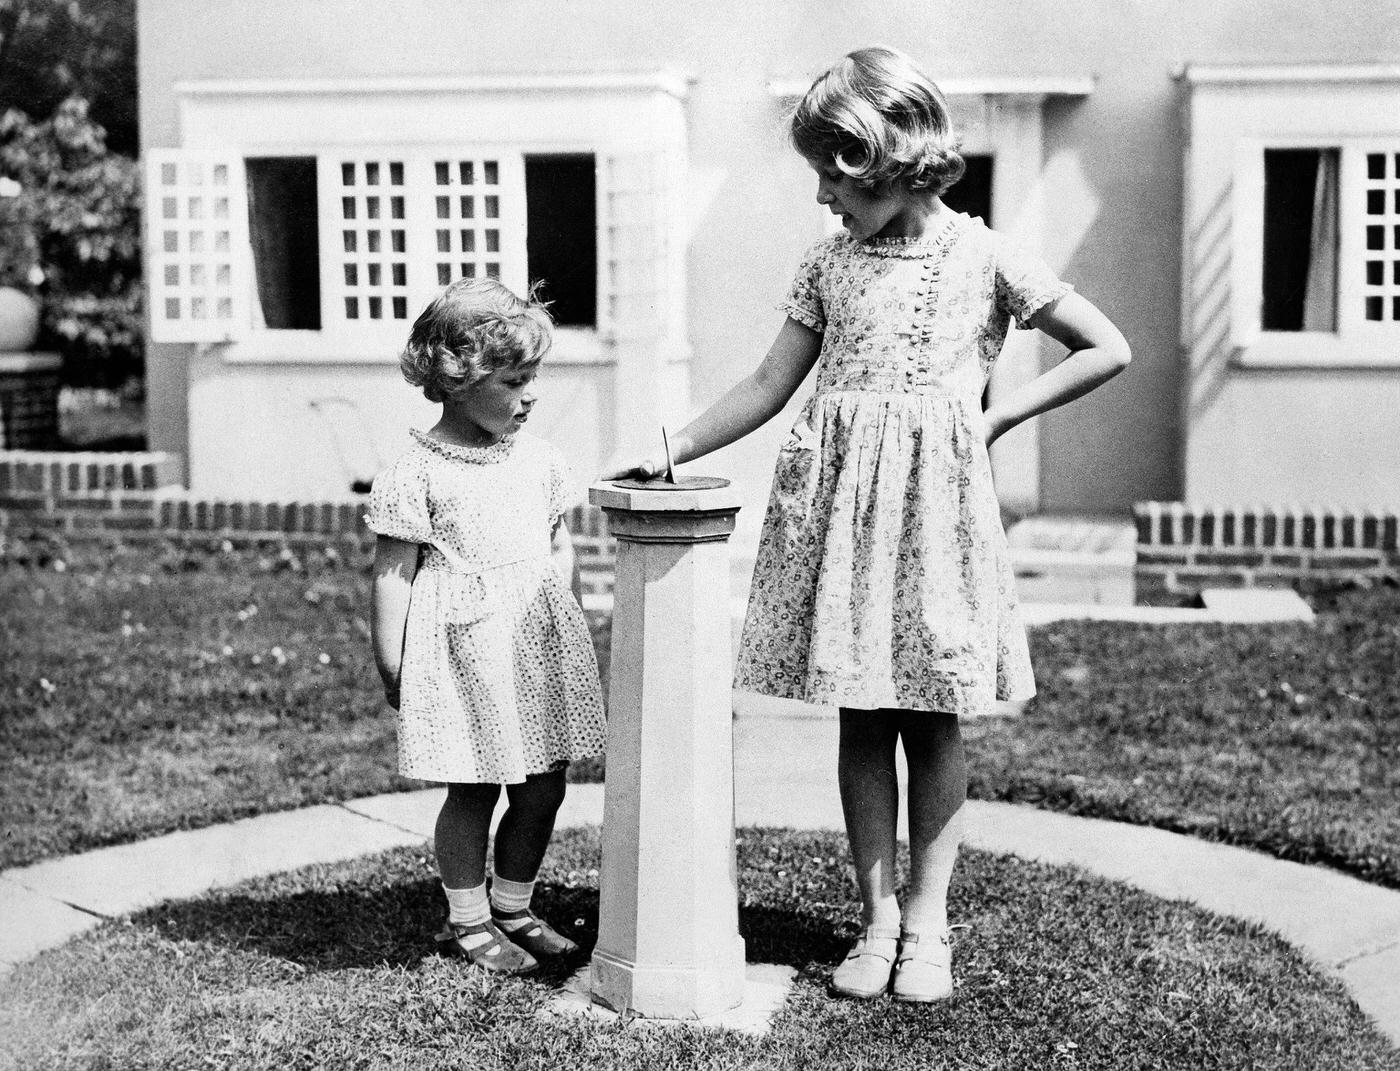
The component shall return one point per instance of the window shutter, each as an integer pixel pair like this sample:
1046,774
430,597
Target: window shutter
476,205
1369,268
370,258
197,246
639,299
396,227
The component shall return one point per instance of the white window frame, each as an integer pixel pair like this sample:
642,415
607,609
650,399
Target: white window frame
1355,341
197,257
404,120
1234,114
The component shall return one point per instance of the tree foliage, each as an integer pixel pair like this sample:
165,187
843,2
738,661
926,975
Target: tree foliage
77,210
51,50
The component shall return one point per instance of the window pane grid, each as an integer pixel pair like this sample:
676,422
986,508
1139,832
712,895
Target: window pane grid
467,218
373,197
192,255
1380,298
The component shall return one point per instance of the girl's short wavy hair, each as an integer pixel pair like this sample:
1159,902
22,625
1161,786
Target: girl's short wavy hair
877,117
471,329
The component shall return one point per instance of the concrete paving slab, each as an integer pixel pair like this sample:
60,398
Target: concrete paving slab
1058,576
1242,613
1073,534
34,922
416,812
766,987
412,812
1374,982
1257,604
129,877
583,806
1331,917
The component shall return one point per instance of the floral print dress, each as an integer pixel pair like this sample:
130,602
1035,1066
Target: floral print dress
499,679
882,578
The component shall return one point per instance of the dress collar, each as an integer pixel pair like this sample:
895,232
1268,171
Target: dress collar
920,246
481,455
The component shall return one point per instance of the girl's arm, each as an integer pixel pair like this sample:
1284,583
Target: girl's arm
395,565
750,403
562,547
1097,352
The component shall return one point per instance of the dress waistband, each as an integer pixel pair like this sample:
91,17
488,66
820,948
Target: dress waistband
438,560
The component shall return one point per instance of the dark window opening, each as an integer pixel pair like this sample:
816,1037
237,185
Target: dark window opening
1300,240
973,192
561,238
286,247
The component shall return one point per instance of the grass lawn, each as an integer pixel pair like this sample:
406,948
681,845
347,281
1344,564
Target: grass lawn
329,967
146,690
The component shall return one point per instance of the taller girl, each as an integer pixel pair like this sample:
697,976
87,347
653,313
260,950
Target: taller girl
882,584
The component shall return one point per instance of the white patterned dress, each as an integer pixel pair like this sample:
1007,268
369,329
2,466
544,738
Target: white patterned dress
499,679
882,578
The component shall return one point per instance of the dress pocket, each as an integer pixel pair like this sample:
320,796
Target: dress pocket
798,460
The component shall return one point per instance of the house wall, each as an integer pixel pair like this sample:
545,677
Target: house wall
1112,180
1308,418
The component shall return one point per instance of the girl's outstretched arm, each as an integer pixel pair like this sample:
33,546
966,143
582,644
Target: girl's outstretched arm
750,403
395,565
1097,352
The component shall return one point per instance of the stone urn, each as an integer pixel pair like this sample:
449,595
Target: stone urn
19,320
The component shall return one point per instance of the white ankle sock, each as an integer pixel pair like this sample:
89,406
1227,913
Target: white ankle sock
508,897
469,907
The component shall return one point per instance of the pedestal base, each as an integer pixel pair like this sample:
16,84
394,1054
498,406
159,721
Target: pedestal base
766,987
662,991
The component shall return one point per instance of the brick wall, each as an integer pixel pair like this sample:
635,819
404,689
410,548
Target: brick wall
126,497
29,385
1183,548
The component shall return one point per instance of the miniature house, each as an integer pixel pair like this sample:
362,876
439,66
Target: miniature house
1223,180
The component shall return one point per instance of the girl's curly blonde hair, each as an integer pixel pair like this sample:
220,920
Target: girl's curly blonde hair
878,118
470,330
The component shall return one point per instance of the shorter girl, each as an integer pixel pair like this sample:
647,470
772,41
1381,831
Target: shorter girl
483,650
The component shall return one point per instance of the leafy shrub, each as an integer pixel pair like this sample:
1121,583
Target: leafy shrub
82,202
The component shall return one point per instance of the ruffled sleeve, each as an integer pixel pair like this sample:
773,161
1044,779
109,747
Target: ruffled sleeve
398,502
804,300
1025,284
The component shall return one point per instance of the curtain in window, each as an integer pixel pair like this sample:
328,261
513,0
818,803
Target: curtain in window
1320,296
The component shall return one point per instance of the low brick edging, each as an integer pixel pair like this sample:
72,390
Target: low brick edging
1183,547
134,497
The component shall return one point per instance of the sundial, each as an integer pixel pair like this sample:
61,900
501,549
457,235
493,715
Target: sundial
685,483
666,480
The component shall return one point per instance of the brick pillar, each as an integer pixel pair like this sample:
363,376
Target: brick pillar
29,385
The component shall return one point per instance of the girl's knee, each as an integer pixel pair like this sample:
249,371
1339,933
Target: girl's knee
867,730
929,729
539,792
473,795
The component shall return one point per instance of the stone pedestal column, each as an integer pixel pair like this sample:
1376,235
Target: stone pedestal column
668,931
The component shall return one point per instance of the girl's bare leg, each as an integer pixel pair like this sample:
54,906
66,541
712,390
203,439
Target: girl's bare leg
459,839
933,747
528,824
870,801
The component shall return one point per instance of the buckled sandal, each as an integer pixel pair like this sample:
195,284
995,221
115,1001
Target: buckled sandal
923,972
537,937
499,955
865,972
